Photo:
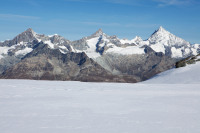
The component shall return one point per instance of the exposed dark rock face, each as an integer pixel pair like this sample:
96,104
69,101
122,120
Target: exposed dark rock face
189,60
142,67
44,63
26,36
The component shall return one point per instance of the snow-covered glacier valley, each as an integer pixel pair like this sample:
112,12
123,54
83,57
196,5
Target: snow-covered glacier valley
29,106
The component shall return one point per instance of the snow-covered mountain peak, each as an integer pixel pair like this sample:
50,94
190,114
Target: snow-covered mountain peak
161,29
161,32
29,30
137,39
164,37
164,41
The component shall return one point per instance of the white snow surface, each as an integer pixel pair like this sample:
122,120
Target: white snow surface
62,51
126,51
183,75
24,51
63,47
158,48
1,57
3,50
91,51
51,45
163,39
136,40
53,35
92,44
176,52
194,51
28,106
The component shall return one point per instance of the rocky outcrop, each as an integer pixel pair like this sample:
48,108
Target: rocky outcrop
142,66
187,61
26,36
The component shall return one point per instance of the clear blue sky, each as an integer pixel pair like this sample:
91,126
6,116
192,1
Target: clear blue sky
75,19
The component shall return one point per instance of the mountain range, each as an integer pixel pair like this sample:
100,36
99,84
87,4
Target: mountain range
98,57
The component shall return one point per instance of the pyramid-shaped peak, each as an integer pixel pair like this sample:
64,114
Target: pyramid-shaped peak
161,29
98,33
30,31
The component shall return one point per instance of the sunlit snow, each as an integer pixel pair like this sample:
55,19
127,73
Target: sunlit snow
154,106
91,51
24,51
183,75
127,50
51,45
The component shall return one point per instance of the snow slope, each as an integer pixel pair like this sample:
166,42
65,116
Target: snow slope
184,75
91,51
127,50
73,107
3,51
24,51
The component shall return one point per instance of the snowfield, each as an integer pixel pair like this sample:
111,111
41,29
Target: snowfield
184,75
73,107
167,103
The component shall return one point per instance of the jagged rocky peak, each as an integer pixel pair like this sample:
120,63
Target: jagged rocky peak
57,39
27,35
98,33
29,31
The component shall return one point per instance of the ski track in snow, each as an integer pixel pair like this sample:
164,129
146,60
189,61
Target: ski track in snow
28,106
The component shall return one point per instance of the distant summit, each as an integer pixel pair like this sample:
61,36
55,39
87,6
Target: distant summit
98,33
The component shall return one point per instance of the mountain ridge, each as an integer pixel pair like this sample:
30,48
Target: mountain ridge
135,59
